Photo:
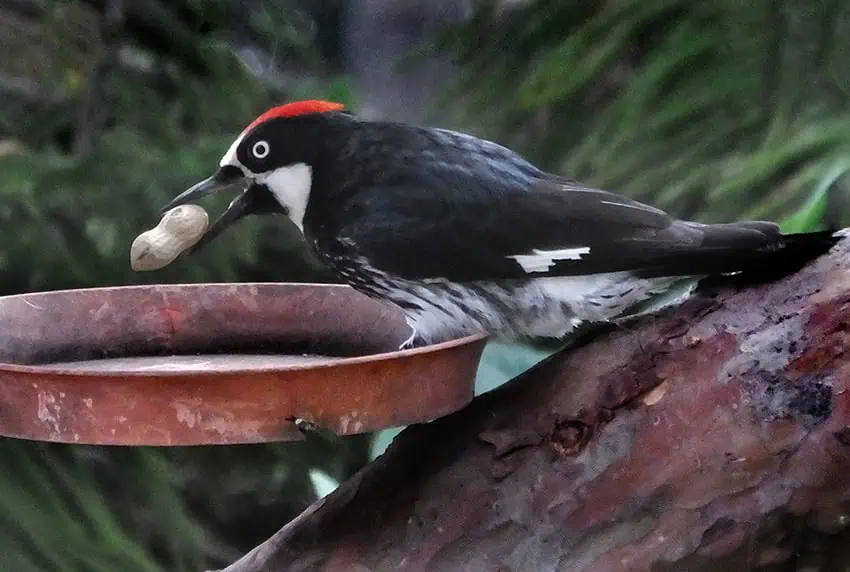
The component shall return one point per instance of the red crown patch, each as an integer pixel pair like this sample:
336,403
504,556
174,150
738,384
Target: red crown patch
294,109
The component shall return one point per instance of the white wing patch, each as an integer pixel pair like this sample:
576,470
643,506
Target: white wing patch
543,260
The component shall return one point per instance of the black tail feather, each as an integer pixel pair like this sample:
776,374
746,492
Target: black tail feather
793,251
780,256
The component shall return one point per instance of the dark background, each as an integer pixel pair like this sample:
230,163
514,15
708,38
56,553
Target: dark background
715,111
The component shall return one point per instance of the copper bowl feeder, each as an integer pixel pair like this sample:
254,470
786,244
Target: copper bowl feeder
206,364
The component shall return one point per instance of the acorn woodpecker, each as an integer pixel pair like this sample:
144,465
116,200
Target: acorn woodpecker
464,235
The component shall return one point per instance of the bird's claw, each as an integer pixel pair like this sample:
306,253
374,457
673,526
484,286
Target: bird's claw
309,429
410,342
303,425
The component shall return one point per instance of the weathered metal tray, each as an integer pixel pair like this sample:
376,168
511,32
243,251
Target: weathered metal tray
217,364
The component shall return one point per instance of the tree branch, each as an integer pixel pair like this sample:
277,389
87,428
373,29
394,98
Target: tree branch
714,433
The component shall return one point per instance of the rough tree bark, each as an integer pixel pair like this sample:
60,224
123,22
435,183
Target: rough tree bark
712,434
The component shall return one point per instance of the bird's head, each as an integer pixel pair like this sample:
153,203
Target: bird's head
270,164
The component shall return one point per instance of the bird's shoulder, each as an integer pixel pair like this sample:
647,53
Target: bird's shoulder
397,154
451,165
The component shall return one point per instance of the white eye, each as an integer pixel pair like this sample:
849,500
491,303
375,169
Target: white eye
260,149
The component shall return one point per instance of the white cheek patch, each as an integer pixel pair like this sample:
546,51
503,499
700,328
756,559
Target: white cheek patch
543,260
291,187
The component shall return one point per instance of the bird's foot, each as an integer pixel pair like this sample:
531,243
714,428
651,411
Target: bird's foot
303,425
410,342
308,430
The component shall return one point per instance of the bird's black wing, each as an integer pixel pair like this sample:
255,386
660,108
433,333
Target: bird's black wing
515,230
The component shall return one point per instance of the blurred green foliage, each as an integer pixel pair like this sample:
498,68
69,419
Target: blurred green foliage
68,216
713,110
149,142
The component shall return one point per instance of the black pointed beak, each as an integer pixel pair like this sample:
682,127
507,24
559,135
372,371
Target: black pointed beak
255,200
227,177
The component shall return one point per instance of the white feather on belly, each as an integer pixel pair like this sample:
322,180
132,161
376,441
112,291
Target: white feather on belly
546,307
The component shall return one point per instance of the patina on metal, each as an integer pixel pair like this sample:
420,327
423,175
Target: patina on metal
208,364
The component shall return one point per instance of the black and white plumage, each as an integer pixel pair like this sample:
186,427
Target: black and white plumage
466,236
